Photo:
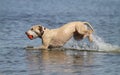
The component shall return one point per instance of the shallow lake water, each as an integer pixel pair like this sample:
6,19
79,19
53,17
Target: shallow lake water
17,16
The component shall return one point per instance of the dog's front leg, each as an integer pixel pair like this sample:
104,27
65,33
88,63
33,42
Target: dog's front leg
45,43
40,48
43,47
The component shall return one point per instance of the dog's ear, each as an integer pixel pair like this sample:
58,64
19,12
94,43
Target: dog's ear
41,28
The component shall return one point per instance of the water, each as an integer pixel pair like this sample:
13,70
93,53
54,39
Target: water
103,46
98,45
16,16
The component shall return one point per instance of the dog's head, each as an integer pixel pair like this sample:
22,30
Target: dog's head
35,31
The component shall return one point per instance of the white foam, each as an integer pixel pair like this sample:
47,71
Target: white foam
99,44
103,45
82,45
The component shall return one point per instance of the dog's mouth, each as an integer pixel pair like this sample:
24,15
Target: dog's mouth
29,36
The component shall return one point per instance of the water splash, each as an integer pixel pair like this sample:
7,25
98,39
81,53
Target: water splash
81,45
103,46
98,45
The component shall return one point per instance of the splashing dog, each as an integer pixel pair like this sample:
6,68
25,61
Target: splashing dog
58,37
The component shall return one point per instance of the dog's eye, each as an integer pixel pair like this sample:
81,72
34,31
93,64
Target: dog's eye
31,28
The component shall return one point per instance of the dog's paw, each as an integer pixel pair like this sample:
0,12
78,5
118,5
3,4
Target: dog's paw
43,48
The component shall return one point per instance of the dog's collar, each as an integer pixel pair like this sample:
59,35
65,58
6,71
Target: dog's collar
41,33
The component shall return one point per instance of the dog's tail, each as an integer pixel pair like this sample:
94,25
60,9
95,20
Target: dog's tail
89,25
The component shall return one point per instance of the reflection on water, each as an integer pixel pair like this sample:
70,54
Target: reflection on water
63,62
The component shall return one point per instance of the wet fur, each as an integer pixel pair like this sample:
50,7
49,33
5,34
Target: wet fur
58,37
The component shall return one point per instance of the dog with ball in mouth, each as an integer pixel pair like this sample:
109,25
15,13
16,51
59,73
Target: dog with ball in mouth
52,38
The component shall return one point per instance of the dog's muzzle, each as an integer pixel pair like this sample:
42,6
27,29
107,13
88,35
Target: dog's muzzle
31,35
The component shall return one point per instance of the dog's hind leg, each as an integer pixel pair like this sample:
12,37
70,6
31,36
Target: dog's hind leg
90,38
83,30
88,34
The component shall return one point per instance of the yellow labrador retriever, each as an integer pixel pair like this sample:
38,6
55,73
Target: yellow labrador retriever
58,37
